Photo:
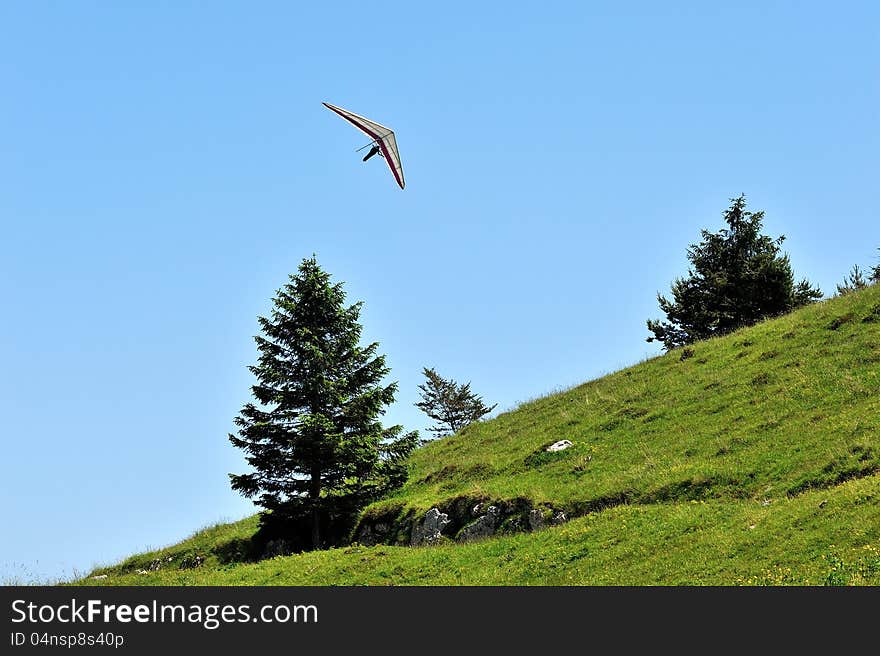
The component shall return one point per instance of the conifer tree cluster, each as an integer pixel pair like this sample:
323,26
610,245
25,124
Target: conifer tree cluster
737,277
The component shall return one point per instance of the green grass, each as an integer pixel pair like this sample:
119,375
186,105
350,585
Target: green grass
211,548
753,460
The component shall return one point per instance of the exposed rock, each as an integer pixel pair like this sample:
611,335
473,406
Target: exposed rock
191,562
430,529
483,527
465,519
536,519
98,577
156,564
515,525
561,445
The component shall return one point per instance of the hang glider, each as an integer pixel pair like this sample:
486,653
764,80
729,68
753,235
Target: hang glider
383,144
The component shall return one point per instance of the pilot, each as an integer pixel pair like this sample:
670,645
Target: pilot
373,151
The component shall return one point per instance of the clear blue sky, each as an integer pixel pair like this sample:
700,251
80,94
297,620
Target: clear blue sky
165,165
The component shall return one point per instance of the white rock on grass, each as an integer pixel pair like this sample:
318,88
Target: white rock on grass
561,445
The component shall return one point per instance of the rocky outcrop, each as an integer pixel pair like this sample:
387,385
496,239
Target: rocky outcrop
191,562
463,519
157,563
483,527
536,519
430,529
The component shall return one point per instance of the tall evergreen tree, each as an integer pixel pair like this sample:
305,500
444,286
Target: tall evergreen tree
738,277
452,405
314,438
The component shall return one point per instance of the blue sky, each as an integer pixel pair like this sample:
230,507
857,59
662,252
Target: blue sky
165,165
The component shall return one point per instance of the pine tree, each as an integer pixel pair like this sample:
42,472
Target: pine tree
314,438
738,277
451,405
853,282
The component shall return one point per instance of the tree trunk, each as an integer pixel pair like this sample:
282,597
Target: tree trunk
315,494
316,529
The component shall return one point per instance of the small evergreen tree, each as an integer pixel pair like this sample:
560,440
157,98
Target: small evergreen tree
451,405
314,438
738,277
853,282
875,272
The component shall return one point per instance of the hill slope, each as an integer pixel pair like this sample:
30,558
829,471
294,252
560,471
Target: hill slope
748,458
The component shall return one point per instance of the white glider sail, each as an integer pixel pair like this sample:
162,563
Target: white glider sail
382,136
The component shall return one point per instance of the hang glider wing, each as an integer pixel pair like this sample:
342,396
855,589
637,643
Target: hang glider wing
383,136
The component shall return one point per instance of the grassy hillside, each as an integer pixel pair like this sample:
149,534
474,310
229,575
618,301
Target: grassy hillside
744,459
